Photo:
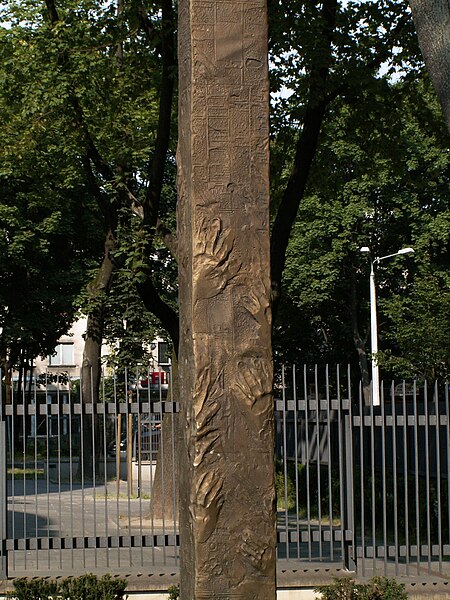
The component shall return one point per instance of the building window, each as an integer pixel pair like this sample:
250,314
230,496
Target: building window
63,355
163,353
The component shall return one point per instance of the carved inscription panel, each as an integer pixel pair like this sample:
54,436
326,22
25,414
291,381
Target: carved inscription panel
227,487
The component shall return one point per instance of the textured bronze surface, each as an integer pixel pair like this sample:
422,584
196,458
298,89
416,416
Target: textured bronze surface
227,508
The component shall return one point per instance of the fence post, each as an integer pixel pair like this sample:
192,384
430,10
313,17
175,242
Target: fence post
3,492
349,514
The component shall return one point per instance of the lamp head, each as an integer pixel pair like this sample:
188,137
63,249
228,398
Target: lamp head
405,251
364,249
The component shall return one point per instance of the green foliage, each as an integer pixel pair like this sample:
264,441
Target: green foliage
377,588
92,81
296,489
388,496
85,587
174,592
79,135
380,180
419,334
34,589
285,487
90,587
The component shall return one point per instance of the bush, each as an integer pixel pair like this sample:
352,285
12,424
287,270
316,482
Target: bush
378,588
86,587
174,592
34,589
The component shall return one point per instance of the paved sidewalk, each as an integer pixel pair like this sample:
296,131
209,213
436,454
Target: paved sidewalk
105,515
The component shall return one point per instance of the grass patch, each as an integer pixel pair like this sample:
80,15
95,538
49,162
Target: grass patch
26,473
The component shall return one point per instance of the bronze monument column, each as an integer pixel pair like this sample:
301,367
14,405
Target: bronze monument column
227,492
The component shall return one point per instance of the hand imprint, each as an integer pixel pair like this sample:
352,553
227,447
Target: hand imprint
214,268
255,551
256,300
254,383
207,504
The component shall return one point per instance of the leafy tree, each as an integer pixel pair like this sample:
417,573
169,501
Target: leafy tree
100,78
360,193
48,222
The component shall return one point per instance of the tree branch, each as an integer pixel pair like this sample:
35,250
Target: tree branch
52,11
169,238
158,162
165,313
304,155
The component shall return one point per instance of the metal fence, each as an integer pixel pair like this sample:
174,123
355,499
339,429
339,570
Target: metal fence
92,486
366,486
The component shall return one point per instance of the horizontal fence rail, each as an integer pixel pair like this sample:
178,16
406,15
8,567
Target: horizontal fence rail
92,485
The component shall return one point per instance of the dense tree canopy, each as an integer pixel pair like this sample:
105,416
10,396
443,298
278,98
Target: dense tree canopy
48,221
379,180
88,172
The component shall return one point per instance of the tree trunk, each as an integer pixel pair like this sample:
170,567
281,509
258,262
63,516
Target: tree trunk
164,500
432,22
226,469
305,151
360,344
91,367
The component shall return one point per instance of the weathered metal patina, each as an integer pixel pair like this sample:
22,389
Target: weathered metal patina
227,499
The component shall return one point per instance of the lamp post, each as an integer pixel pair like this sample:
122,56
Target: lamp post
373,321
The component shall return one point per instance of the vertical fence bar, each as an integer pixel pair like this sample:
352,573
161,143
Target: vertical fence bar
361,476
24,468
373,475
394,471
137,446
71,457
47,459
58,454
13,469
438,475
3,488
297,505
350,538
81,465
308,481
105,464
383,479
129,430
406,476
342,452
162,451
285,459
427,472
152,513
35,449
319,486
118,437
174,463
94,420
330,484
447,430
416,476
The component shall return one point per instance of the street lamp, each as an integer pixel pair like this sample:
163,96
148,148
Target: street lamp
373,321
